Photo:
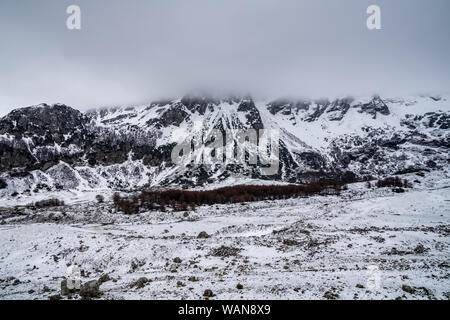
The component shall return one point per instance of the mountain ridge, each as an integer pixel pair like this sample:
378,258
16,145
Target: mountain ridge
56,147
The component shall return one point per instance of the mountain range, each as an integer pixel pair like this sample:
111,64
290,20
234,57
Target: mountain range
56,147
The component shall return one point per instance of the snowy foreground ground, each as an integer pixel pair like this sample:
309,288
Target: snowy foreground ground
364,244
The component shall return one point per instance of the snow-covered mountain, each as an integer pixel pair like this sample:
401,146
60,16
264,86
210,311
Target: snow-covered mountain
53,147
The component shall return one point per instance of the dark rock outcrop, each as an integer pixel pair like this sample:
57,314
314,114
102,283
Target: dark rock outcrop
374,107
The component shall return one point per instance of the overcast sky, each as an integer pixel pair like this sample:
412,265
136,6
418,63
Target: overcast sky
134,51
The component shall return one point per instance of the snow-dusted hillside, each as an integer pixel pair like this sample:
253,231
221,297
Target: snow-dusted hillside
45,149
364,243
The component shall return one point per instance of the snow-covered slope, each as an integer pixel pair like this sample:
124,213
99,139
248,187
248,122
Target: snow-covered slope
47,148
320,247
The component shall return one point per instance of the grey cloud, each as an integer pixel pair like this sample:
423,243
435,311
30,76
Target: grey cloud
136,51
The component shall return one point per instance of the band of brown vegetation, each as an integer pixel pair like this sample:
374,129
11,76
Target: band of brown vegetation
182,200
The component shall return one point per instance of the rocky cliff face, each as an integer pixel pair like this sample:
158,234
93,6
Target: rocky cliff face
53,147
